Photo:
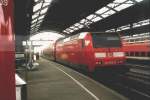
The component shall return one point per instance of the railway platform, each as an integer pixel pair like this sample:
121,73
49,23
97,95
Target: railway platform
52,81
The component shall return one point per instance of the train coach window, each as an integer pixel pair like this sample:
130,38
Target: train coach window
148,54
131,53
106,40
136,54
143,54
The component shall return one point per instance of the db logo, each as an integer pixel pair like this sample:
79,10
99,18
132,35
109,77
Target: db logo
109,54
4,2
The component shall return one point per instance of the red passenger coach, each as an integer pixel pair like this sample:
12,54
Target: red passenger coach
91,50
7,51
50,51
137,45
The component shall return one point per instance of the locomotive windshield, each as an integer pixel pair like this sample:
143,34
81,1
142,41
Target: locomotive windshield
106,40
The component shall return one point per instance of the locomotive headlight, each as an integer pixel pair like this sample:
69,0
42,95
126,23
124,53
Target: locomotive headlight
100,55
118,54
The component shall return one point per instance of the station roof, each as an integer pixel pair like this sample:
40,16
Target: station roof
72,16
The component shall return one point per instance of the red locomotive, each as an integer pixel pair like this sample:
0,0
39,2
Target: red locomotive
90,50
137,45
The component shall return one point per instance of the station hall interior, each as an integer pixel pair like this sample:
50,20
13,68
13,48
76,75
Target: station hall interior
75,49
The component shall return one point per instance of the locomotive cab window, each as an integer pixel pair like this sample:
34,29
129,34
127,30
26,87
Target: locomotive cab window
83,43
106,40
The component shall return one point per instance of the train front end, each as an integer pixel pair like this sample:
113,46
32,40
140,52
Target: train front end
107,50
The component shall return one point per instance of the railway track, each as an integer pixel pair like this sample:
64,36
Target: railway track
136,81
134,84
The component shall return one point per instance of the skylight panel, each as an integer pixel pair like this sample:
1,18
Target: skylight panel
72,27
34,16
38,22
96,19
102,10
118,29
44,10
37,7
37,27
125,27
119,1
75,28
138,0
36,0
31,28
105,15
83,21
88,23
90,16
77,24
145,22
108,13
47,0
41,17
33,21
32,25
124,6
111,30
136,25
81,26
112,5
37,12
71,30
141,23
68,29
45,4
65,31
108,10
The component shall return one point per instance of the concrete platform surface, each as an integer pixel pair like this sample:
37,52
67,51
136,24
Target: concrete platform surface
52,81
